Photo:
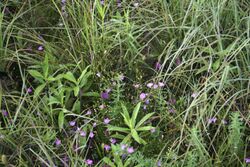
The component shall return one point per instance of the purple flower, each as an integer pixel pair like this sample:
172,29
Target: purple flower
121,77
113,141
89,162
143,96
102,2
157,66
155,86
123,146
178,61
29,90
161,84
247,160
88,112
94,124
58,142
147,101
82,133
119,4
130,150
63,1
91,134
144,107
72,123
171,110
107,147
106,121
150,85
212,120
40,48
104,95
5,113
159,163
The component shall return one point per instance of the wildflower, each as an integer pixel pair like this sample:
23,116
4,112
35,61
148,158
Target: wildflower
98,74
72,123
102,106
143,96
144,107
58,142
91,134
88,112
119,4
82,133
150,85
123,146
224,121
136,5
161,84
247,160
63,1
89,162
212,120
94,124
40,48
194,95
159,163
157,66
113,141
147,102
106,121
5,113
136,86
155,86
107,147
121,77
104,95
29,90
178,61
172,110
152,130
130,150
102,2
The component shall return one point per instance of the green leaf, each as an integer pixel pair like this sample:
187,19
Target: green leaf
126,115
76,91
119,129
39,89
91,94
46,66
145,128
135,113
216,65
108,162
82,75
69,76
135,136
35,74
61,120
84,80
145,118
53,100
118,136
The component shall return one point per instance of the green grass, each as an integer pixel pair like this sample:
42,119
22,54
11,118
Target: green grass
203,48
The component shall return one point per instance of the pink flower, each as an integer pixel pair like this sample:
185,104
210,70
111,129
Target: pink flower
152,130
143,96
123,146
5,113
150,85
29,90
130,150
212,120
102,106
106,121
91,134
161,84
58,142
136,86
72,123
194,95
82,133
247,160
89,162
107,147
113,141
157,66
155,86
40,48
94,124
